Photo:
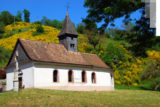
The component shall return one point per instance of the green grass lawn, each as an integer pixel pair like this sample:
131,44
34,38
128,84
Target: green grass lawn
118,98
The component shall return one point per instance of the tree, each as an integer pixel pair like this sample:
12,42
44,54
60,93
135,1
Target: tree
140,35
26,15
108,10
90,25
38,22
18,16
152,72
2,27
92,38
57,24
81,28
6,17
4,56
44,19
54,23
114,53
145,35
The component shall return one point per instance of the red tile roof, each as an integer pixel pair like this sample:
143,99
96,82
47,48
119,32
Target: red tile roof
57,53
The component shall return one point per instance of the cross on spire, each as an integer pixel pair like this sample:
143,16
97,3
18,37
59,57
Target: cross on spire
67,6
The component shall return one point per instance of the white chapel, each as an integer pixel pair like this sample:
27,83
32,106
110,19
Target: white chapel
58,66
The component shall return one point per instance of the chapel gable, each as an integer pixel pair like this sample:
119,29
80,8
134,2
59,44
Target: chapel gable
22,56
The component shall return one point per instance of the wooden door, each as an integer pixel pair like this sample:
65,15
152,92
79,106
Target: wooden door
20,82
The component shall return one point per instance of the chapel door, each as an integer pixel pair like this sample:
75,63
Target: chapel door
20,82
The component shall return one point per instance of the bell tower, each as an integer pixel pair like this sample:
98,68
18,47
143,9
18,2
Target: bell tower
68,36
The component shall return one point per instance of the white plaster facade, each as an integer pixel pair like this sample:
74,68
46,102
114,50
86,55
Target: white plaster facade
40,75
27,76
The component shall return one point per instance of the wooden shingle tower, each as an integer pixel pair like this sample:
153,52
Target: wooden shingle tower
68,36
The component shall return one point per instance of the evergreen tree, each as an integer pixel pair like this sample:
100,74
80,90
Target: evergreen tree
26,15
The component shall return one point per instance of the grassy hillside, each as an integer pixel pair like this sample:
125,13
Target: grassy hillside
118,98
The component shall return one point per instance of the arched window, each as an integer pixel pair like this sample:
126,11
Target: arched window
84,76
55,76
70,76
93,77
111,74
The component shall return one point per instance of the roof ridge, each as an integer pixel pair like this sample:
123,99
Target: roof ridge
82,53
38,41
88,53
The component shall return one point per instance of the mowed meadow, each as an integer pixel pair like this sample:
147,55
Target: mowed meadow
117,98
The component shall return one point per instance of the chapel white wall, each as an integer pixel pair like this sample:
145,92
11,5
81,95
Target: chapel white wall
27,77
43,77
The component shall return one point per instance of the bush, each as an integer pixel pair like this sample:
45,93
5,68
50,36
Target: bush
146,85
114,53
39,29
3,83
4,56
135,84
2,27
156,84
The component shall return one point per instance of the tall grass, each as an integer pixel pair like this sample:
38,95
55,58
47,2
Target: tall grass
117,98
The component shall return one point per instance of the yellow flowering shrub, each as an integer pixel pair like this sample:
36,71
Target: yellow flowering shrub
82,43
154,55
116,75
19,25
135,84
130,70
117,82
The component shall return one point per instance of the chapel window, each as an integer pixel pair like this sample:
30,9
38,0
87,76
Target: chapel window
93,77
70,76
84,76
55,76
71,38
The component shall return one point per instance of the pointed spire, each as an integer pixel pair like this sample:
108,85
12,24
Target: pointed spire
67,13
68,27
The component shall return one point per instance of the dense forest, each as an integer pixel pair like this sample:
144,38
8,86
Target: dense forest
133,53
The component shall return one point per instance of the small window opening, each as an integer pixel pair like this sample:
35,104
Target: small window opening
72,45
71,38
